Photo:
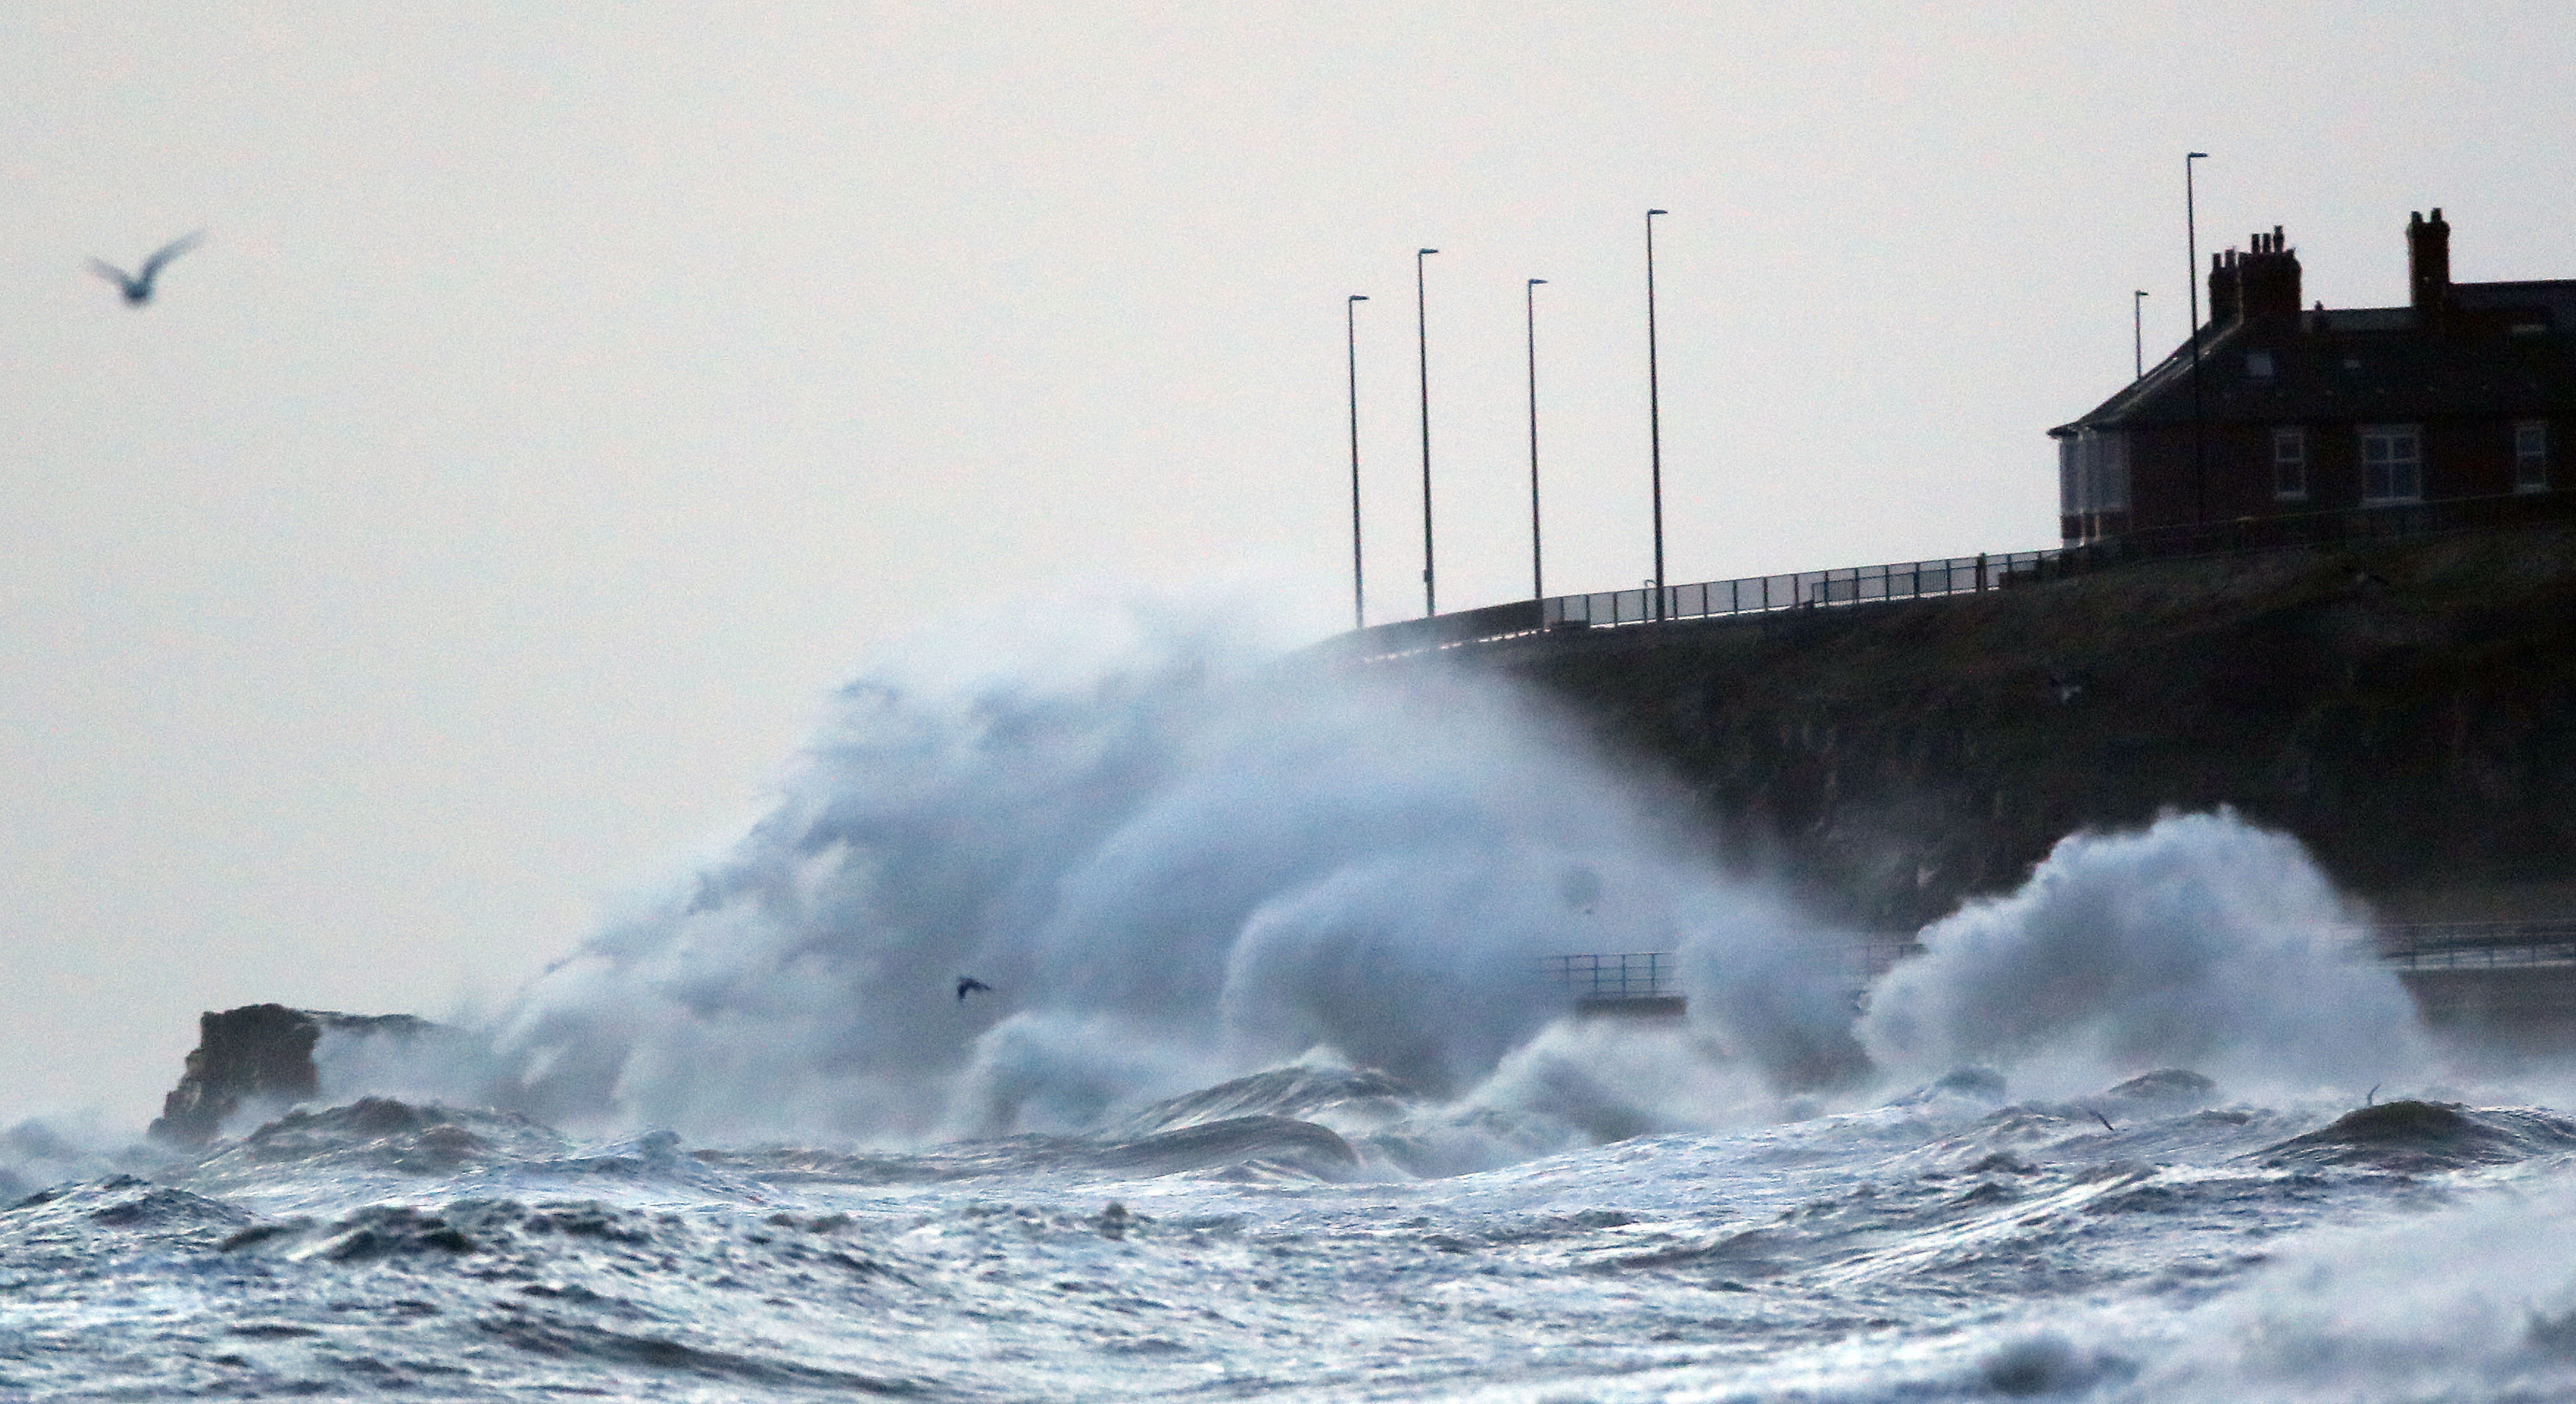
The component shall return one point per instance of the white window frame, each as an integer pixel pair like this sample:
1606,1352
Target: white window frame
2531,456
2290,463
2093,473
2392,464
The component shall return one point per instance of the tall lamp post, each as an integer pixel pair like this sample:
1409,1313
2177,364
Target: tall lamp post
2191,244
1422,348
1654,415
1538,575
1351,334
2138,328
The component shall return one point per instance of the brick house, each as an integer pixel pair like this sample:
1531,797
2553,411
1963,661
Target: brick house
2468,391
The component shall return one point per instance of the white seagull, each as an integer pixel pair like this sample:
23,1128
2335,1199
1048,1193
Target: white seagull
137,287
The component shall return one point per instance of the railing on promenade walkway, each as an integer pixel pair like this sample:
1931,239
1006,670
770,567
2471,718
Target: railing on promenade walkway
1761,594
1632,975
2455,945
2478,945
2446,945
1955,575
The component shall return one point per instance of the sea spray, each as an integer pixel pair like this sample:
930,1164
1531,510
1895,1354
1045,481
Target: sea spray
2200,941
1172,865
1175,863
2478,1302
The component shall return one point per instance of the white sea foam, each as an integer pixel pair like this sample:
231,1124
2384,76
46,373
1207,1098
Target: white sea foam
2201,941
2478,1303
1172,866
1177,863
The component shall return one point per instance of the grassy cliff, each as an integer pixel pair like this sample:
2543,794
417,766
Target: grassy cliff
2408,710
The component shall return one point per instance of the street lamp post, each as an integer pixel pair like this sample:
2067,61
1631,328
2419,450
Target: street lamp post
1538,574
1654,416
1351,334
2191,245
2138,328
1422,348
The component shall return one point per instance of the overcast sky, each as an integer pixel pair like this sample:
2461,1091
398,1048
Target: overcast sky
565,397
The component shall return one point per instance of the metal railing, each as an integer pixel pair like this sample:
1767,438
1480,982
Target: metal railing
2478,945
2448,945
1955,575
1762,594
2459,945
1634,975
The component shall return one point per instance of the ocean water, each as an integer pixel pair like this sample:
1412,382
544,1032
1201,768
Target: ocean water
1950,1244
1272,1095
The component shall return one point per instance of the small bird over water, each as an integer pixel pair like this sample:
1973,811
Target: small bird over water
137,287
968,984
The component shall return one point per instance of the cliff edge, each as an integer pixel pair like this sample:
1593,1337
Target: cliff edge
2408,710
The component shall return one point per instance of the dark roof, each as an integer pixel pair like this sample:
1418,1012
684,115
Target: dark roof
2369,364
2557,296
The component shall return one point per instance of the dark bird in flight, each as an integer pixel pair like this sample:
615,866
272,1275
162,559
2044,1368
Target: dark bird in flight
968,984
137,287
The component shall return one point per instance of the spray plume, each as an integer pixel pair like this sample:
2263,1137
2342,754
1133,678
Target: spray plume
2200,941
1175,863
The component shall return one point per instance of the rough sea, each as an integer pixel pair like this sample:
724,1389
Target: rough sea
1278,1092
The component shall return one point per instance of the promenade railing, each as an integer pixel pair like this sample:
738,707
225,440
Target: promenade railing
1625,975
1761,594
2478,945
1955,575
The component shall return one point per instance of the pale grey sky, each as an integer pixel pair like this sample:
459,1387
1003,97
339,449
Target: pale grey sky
564,397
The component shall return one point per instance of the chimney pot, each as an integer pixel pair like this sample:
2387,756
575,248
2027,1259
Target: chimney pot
2428,267
2267,280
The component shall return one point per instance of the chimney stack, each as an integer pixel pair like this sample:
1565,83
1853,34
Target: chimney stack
2267,280
2223,287
2428,266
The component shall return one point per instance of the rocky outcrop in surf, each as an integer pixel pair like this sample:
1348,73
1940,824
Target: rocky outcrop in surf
264,1054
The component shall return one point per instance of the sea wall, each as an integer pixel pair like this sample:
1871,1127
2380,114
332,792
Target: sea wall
2409,711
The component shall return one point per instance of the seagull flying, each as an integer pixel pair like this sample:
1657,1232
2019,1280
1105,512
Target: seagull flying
968,984
137,287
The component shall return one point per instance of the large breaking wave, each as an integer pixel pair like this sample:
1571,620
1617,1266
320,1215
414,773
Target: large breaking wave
1177,863
2201,941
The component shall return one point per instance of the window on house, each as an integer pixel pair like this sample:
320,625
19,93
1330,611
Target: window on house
2258,364
2093,473
2290,464
2392,464
2531,456
2110,471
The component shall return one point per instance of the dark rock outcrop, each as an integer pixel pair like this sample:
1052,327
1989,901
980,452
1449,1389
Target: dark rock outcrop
260,1053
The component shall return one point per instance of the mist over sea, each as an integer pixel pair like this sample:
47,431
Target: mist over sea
1271,1094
